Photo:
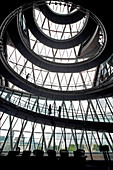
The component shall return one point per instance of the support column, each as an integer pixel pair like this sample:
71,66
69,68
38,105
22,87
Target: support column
65,139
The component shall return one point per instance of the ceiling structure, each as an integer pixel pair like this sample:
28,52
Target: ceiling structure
61,61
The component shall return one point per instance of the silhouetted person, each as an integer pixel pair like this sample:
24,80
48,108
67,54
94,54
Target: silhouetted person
27,76
59,112
49,110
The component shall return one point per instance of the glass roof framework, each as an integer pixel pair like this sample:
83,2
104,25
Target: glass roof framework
55,31
60,32
91,110
47,79
51,80
29,135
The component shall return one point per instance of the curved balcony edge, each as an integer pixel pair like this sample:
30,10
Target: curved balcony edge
38,60
61,18
86,32
25,114
104,90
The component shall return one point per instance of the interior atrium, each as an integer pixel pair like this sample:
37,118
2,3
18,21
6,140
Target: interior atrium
56,88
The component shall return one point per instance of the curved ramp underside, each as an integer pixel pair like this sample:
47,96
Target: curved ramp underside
24,49
61,18
104,90
84,35
22,113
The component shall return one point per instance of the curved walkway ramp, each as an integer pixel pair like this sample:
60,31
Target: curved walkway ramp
22,46
88,37
85,34
69,18
96,92
103,90
26,114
